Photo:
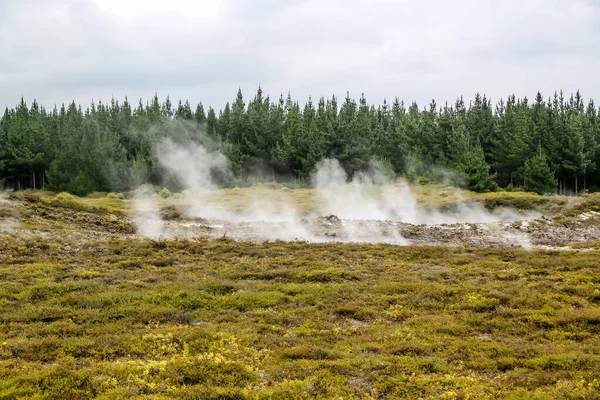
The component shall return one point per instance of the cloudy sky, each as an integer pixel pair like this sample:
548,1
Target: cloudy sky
59,50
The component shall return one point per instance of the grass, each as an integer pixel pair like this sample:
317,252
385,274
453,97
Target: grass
90,315
427,196
225,319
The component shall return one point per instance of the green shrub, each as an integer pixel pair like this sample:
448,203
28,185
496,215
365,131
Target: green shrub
115,196
146,189
423,180
170,213
64,196
164,193
67,200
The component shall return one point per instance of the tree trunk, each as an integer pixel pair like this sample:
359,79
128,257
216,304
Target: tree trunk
575,184
584,182
33,177
560,186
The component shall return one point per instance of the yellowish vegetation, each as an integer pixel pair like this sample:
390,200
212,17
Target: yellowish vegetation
116,317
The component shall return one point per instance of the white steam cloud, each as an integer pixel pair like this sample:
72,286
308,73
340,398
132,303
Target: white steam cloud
146,214
372,196
193,164
369,207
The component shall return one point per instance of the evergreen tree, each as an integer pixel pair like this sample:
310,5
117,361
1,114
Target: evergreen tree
184,111
200,115
476,170
467,157
293,150
537,174
111,146
211,123
510,140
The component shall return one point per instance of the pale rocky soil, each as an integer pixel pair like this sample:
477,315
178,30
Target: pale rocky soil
543,232
557,232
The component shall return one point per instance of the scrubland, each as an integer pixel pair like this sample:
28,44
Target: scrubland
89,309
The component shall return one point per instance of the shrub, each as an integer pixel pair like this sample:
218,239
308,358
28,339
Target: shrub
115,196
67,200
170,213
164,193
146,190
63,196
422,180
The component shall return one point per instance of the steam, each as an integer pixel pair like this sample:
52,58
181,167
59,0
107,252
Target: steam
372,196
366,207
146,216
193,164
9,222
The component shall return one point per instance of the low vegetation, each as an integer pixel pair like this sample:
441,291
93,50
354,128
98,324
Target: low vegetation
224,319
114,316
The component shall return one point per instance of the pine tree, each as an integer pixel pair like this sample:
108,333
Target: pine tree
467,157
480,123
211,123
111,146
167,108
293,150
511,139
314,140
537,175
184,111
199,115
258,139
276,122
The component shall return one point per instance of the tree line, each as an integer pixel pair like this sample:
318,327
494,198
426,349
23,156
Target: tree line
545,145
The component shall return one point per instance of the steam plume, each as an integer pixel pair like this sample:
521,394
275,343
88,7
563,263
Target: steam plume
366,208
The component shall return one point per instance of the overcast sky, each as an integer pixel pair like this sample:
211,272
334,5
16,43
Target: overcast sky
59,50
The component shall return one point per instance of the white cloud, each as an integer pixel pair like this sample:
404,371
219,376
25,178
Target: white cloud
60,50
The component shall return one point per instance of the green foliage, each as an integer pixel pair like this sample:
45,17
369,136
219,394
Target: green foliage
164,193
115,196
111,147
476,170
537,175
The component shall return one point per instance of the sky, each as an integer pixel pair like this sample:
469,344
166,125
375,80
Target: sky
56,51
